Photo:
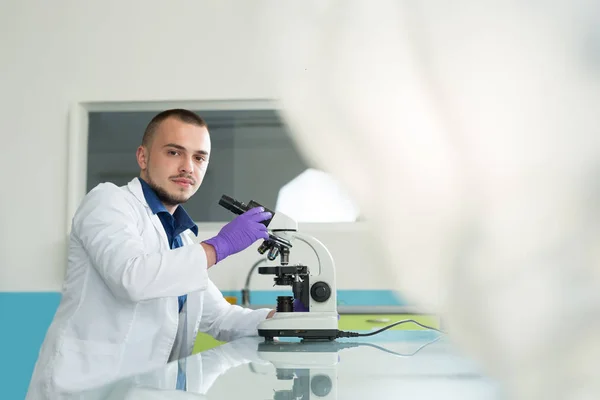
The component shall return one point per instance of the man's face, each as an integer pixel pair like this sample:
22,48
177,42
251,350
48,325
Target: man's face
176,161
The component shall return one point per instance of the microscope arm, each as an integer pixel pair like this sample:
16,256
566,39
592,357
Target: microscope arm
315,246
326,266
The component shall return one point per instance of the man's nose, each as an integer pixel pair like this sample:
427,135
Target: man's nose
187,165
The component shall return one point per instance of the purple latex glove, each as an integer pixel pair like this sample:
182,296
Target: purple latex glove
240,233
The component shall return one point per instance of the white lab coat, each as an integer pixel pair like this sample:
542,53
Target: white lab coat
118,314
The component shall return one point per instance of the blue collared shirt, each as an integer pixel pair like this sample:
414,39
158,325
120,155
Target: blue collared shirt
174,224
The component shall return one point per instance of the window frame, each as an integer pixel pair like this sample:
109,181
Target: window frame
78,134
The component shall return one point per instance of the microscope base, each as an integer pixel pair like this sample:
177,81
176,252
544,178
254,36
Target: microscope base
307,334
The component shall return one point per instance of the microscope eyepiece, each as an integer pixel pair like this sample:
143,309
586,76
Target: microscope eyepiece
236,207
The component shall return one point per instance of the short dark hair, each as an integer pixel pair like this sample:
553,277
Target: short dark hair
181,114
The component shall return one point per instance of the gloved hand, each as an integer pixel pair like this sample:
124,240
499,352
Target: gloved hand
240,233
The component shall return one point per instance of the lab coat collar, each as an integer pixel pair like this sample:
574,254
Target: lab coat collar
135,186
152,198
181,217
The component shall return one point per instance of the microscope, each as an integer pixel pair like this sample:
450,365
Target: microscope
313,288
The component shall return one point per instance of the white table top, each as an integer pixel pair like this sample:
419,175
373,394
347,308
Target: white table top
356,368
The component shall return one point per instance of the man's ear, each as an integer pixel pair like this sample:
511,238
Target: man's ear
142,157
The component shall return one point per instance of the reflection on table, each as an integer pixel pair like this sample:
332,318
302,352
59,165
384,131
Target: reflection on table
394,364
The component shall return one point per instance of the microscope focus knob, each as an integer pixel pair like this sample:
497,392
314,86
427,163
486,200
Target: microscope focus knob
320,291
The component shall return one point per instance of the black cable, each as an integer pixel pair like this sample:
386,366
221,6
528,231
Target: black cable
246,288
256,264
343,334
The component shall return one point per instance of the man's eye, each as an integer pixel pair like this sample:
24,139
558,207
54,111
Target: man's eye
200,159
172,152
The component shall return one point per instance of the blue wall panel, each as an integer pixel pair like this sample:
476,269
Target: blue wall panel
25,319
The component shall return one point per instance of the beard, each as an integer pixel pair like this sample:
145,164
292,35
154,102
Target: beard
164,196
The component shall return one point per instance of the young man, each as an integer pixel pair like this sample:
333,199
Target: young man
136,289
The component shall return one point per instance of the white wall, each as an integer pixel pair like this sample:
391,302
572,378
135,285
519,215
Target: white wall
57,54
63,52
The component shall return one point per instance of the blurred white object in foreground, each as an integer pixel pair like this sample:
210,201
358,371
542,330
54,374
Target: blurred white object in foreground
468,133
314,196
